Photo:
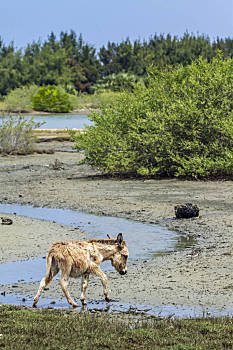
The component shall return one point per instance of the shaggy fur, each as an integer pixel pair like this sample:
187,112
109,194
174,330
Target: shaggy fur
80,259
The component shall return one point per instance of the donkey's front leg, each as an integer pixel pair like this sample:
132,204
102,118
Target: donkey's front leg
98,272
84,284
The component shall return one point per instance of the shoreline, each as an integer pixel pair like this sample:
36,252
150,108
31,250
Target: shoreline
33,112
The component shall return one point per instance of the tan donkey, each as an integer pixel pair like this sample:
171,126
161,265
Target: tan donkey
82,258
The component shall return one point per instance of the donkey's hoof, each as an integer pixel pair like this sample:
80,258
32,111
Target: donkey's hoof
34,305
74,305
107,299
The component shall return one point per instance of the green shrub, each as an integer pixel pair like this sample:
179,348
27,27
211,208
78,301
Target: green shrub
52,99
16,135
117,82
20,99
179,124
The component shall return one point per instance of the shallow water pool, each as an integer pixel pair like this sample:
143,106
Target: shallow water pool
144,240
137,310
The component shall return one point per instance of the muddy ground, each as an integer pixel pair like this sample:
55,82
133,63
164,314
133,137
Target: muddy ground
55,180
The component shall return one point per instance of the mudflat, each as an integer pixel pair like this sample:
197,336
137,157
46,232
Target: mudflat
179,278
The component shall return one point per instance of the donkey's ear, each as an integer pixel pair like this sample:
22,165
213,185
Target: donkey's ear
119,238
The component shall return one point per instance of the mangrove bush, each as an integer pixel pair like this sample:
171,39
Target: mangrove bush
52,99
179,124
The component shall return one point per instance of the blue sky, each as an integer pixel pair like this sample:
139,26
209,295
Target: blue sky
100,21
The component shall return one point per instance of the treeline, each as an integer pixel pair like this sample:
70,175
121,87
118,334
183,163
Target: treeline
77,66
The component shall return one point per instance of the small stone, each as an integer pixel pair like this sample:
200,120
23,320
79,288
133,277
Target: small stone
6,221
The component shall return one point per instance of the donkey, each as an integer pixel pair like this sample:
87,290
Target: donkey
80,259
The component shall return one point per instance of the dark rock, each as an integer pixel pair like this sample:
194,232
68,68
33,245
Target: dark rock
6,221
186,211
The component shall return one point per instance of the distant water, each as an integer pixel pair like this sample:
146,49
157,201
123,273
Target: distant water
59,121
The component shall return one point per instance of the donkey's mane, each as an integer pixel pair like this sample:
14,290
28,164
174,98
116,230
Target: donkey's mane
103,241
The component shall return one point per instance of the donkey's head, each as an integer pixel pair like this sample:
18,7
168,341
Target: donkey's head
119,259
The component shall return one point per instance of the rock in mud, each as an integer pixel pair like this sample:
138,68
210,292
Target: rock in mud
186,211
6,221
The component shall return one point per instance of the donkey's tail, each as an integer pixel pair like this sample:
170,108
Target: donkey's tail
49,266
52,267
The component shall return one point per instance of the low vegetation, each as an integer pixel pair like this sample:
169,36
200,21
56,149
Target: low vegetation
19,100
180,123
16,135
96,100
54,329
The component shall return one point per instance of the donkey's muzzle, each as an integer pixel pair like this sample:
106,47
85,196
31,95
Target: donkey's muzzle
123,272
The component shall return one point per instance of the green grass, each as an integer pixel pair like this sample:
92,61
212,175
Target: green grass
57,329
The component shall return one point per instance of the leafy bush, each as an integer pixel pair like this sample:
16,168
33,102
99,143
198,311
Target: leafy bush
179,124
20,99
117,82
16,135
52,99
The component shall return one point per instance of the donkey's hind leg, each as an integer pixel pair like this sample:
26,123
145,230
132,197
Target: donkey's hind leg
64,287
51,272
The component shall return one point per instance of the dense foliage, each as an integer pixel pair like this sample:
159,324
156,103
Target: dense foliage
51,99
179,124
77,66
16,135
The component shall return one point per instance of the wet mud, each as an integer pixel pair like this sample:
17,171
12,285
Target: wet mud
199,276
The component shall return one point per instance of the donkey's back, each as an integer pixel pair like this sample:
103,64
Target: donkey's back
69,257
